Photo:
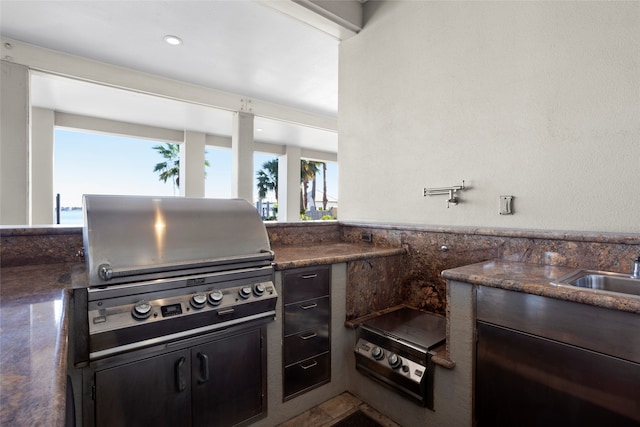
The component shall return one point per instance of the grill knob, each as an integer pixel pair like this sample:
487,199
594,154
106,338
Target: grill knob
394,361
141,310
215,297
258,289
198,300
377,353
245,292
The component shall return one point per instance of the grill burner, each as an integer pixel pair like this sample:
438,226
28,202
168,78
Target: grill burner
395,349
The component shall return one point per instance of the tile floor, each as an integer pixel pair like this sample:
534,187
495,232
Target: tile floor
333,410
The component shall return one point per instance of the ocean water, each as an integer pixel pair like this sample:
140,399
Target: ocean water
71,217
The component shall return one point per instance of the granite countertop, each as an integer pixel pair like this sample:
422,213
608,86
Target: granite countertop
290,256
33,343
34,327
34,323
535,279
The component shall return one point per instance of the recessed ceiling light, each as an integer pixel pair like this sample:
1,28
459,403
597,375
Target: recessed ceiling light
173,40
259,129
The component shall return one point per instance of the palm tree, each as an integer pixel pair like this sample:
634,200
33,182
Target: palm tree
268,178
308,171
324,183
170,168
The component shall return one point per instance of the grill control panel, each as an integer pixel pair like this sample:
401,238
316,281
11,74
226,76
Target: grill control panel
130,311
390,361
126,317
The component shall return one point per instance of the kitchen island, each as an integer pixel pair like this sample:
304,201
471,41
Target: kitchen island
34,326
34,321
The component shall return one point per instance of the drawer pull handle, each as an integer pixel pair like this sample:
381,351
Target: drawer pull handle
227,311
309,276
308,337
308,307
314,363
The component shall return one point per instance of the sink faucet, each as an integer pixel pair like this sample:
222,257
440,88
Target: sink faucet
636,269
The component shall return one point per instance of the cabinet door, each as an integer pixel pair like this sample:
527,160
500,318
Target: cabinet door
229,379
150,392
524,380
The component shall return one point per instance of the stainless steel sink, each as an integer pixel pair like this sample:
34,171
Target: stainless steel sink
604,281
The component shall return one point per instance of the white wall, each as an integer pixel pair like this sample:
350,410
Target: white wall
42,130
539,100
14,144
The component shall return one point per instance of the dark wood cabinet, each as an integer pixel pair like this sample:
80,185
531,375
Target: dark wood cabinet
306,329
227,385
215,381
145,392
543,361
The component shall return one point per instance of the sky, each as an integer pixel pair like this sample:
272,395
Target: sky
92,163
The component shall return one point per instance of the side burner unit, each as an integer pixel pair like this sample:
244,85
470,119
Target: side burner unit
395,349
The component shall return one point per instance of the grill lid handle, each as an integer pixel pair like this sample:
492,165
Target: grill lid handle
106,272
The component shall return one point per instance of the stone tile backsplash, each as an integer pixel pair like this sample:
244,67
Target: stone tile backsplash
423,286
376,284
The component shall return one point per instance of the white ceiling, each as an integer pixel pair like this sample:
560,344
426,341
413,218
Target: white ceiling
240,46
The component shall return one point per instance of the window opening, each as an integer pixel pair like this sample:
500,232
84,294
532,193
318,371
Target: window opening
318,190
265,171
217,184
96,163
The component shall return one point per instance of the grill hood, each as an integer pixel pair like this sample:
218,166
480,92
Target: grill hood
132,238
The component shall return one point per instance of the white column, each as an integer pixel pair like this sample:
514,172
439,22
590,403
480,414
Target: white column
42,131
242,180
289,185
14,144
192,164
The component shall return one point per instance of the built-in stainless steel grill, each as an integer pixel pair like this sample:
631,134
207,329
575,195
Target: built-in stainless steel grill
396,348
179,294
129,239
161,268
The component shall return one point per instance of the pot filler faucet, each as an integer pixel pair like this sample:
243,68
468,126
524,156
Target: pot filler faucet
636,269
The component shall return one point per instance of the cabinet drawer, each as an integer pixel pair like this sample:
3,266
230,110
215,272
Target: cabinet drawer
305,315
306,344
309,373
305,283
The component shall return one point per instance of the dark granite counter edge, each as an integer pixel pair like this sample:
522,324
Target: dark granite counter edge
336,259
60,384
321,223
581,236
38,230
545,288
